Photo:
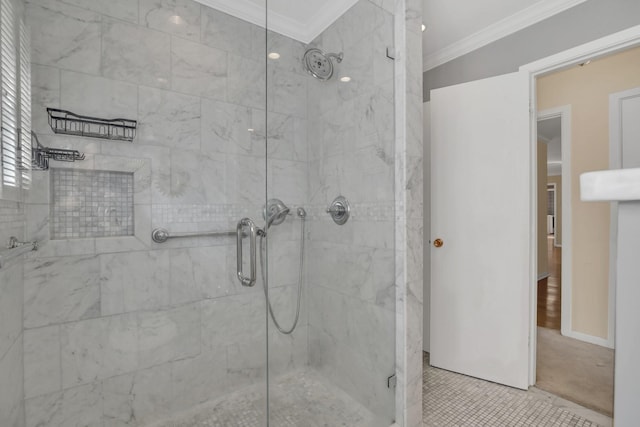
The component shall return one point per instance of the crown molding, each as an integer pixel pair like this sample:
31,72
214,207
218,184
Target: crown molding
302,30
533,14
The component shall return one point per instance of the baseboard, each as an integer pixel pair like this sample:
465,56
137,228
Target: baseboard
588,338
542,276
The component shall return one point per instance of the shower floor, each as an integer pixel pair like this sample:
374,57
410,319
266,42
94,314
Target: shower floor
298,399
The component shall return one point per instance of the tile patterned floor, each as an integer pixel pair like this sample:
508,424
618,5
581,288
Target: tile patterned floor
301,399
454,400
304,399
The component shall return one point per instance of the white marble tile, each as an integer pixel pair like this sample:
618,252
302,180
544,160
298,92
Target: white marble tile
10,305
169,335
98,348
139,398
134,281
198,69
288,181
225,129
11,392
42,373
169,119
245,179
291,51
61,290
287,93
196,274
136,54
97,96
178,17
226,32
355,24
194,177
126,10
76,33
233,319
246,82
37,220
245,364
45,92
75,407
200,379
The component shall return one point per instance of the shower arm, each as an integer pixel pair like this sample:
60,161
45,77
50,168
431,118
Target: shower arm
337,56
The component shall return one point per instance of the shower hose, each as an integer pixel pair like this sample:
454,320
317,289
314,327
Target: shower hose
264,281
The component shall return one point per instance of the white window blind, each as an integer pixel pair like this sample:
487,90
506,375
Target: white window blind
25,105
9,95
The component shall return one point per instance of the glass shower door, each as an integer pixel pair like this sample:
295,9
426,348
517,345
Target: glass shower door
331,284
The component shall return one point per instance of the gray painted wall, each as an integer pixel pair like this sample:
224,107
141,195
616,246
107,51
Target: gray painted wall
586,22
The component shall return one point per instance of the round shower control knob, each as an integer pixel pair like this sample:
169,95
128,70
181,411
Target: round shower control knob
340,210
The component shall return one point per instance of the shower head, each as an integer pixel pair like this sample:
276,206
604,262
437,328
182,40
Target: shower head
319,64
275,212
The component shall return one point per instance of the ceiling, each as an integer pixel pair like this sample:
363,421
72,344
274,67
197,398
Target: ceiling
453,27
301,20
457,27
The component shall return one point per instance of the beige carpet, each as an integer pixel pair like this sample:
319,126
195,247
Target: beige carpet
575,370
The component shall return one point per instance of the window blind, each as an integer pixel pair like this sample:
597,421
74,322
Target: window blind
9,95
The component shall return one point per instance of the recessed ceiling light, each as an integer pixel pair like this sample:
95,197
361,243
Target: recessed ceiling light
424,27
274,55
345,79
250,130
176,19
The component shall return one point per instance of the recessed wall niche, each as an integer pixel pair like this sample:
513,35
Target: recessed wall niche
91,203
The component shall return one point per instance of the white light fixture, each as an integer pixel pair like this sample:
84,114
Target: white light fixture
274,55
424,27
250,130
176,19
345,79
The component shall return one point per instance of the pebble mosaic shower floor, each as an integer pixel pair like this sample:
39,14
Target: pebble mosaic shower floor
454,400
300,399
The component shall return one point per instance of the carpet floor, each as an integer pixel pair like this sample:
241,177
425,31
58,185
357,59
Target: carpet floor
575,370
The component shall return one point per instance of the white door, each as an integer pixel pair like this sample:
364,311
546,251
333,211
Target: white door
480,209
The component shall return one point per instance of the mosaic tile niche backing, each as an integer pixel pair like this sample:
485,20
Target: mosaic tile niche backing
86,204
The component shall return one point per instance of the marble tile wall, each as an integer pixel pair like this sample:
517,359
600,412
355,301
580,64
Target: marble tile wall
120,331
11,335
12,224
409,208
351,272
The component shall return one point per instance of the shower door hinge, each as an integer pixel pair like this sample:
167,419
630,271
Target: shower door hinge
392,381
391,53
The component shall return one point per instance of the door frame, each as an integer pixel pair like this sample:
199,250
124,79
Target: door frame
598,48
564,113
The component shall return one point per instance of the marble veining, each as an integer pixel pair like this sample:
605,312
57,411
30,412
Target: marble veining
142,331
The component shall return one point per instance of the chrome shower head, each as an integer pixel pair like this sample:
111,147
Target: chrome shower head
275,212
319,64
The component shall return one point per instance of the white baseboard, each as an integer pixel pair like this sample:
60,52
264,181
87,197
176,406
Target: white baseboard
542,276
602,342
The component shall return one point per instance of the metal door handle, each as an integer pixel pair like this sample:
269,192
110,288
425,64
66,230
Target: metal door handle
253,231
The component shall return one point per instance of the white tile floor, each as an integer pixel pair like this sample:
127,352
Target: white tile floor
305,399
454,400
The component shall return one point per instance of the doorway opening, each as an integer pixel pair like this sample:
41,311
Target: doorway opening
574,358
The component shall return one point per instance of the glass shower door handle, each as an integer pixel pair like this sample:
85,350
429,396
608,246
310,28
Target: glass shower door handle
240,234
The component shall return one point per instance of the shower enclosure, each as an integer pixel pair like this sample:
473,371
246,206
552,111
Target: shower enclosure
217,240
